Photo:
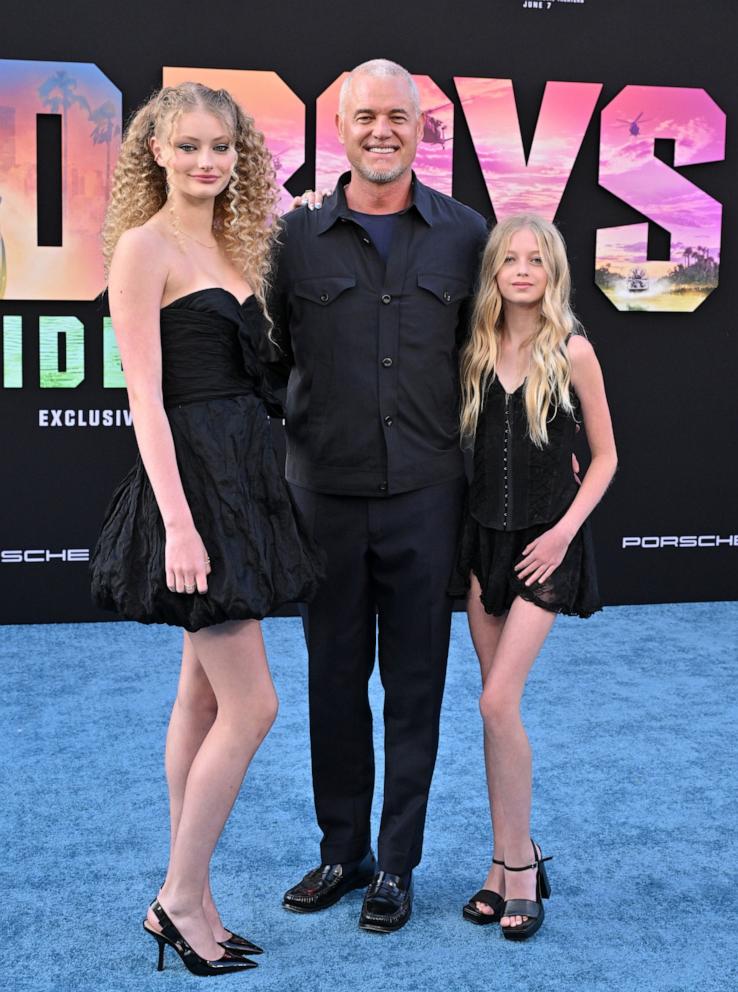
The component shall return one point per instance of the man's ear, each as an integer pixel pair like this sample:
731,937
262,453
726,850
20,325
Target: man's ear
339,128
421,125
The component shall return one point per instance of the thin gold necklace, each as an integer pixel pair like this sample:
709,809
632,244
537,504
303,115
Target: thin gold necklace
193,238
178,229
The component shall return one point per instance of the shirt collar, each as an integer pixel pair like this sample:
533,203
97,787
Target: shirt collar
335,207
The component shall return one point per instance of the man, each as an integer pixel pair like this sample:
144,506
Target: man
370,302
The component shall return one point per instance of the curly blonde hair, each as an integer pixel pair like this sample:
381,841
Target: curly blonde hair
547,385
245,218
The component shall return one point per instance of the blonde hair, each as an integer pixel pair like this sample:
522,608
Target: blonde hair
547,386
245,219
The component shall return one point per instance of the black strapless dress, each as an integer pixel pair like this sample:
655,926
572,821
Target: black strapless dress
261,555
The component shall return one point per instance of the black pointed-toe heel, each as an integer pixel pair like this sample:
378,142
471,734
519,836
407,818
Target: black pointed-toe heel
526,907
240,945
192,961
490,898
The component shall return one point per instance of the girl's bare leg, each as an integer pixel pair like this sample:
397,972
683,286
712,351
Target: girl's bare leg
192,717
524,631
234,664
485,633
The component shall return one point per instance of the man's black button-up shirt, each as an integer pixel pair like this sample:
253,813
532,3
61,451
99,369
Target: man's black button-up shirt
372,400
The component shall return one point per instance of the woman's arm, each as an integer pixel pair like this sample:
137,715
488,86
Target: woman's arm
542,556
138,275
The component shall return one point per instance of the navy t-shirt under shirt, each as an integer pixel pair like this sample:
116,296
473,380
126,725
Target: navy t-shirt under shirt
380,228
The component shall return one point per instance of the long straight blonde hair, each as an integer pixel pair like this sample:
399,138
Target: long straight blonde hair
549,376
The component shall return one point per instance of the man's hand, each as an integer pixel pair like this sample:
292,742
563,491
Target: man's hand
575,468
575,462
311,198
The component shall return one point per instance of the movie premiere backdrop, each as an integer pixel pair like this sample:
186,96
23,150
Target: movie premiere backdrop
612,118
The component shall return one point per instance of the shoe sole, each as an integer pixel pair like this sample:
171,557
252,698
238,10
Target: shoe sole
482,920
360,884
378,928
520,934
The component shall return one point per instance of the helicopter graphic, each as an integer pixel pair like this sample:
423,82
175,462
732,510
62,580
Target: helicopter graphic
633,125
434,130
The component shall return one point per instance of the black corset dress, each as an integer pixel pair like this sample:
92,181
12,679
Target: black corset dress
261,556
518,491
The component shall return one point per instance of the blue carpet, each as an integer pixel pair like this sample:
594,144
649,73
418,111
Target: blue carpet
632,716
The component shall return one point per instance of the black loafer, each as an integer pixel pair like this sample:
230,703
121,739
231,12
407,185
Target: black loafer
387,905
324,886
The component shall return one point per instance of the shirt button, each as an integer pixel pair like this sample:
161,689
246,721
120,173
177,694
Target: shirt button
386,362
388,421
447,296
386,298
366,241
323,297
382,487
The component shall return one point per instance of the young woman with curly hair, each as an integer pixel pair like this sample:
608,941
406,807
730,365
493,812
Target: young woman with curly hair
201,533
529,377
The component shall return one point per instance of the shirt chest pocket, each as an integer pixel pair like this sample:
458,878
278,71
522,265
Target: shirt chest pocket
321,307
448,290
442,305
322,291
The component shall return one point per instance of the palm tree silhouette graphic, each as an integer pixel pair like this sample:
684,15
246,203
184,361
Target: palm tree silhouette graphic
58,92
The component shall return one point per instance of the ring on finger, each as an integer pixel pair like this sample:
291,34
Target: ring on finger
189,588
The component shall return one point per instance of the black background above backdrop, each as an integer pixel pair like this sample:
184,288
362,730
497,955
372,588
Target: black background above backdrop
670,376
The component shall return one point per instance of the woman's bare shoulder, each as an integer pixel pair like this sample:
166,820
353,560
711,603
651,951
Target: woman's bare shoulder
581,353
149,237
579,346
143,259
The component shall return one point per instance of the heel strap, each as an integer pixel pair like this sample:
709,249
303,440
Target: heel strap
497,861
534,864
168,929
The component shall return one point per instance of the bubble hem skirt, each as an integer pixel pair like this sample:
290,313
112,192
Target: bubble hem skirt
261,554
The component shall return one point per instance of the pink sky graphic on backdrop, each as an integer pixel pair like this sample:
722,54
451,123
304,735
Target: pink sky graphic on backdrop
628,169
73,271
515,186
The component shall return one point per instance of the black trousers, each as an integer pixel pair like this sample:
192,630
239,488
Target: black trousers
388,564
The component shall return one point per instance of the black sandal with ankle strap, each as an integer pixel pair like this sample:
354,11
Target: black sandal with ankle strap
526,907
490,898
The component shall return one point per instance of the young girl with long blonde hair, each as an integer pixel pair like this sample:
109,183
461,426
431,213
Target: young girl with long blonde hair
529,379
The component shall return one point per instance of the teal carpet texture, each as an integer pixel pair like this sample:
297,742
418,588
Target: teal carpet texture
632,716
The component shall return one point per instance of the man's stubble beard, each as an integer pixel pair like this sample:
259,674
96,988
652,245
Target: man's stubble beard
381,176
